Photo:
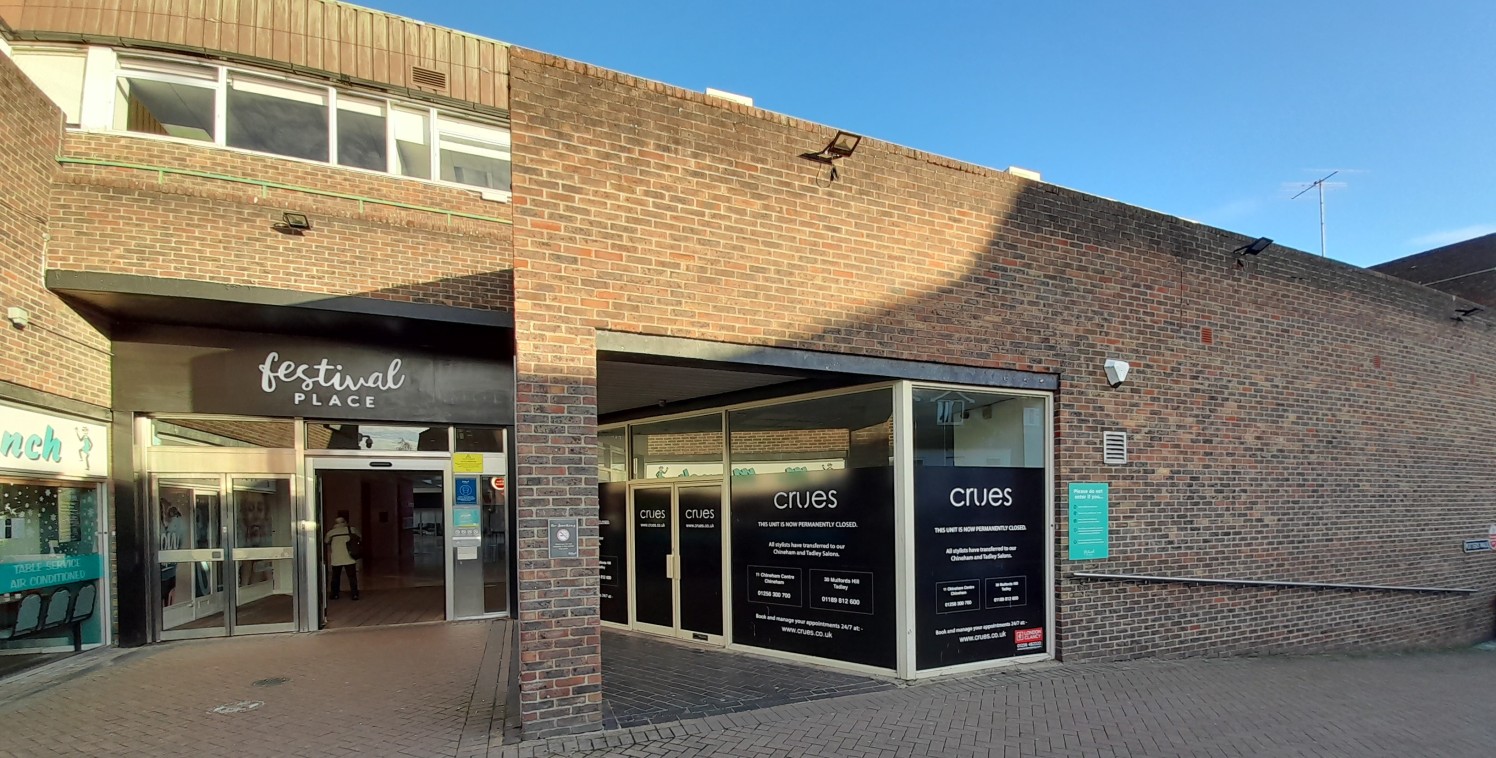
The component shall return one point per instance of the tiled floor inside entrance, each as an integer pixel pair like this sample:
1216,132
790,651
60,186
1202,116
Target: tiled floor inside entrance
650,680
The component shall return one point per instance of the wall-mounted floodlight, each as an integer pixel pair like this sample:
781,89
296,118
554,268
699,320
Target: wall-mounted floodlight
1116,371
840,146
1254,247
294,224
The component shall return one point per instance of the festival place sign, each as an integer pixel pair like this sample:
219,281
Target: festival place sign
282,376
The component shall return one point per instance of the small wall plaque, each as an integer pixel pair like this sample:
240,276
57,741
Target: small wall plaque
563,537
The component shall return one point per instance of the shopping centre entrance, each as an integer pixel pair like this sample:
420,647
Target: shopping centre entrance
254,539
398,574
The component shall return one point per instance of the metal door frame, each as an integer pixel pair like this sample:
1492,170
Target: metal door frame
224,558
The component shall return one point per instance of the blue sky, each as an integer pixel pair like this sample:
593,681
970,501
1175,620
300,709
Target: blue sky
1214,111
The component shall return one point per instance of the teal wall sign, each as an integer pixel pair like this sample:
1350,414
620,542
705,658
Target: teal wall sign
1090,531
34,574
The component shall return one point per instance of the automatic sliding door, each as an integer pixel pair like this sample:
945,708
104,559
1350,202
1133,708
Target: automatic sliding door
190,557
225,554
262,555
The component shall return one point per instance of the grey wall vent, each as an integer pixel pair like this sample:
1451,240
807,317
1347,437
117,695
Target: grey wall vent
1114,448
425,77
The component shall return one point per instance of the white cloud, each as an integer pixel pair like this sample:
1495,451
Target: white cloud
1451,236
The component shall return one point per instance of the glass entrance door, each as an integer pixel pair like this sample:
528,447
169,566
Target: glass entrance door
225,554
677,560
191,556
262,554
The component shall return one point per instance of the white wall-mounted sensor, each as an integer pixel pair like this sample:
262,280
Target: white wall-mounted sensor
1116,371
17,316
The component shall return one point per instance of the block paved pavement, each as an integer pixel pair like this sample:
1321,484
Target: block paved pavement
1423,704
647,680
417,690
443,690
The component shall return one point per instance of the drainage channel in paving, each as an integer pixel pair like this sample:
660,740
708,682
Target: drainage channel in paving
650,680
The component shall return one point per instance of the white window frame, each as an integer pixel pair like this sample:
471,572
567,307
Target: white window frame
104,66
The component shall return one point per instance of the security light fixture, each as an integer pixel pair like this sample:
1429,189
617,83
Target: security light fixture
1461,313
840,146
297,221
1254,247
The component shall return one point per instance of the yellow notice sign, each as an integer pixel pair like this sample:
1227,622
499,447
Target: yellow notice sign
467,463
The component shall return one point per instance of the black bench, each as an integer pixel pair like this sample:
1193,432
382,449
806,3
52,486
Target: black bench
64,608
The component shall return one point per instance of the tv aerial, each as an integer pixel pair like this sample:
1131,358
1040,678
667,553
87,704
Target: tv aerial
1319,184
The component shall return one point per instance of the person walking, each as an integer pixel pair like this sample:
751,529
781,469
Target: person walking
342,543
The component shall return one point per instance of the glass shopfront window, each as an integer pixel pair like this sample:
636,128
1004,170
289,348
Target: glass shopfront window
682,447
612,461
980,517
812,505
50,568
222,432
353,436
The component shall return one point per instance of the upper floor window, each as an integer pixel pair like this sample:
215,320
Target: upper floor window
165,99
266,113
275,117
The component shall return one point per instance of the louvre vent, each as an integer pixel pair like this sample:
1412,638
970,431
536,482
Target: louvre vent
425,77
1114,448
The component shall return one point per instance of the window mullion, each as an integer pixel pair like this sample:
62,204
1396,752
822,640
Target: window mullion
391,156
433,137
221,108
332,126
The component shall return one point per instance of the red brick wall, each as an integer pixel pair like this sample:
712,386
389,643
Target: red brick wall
1335,428
59,352
132,221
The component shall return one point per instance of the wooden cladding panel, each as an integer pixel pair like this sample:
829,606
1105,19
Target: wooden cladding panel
315,34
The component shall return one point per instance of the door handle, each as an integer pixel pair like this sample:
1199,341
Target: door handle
670,567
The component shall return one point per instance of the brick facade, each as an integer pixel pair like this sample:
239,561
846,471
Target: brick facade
58,353
115,219
1291,418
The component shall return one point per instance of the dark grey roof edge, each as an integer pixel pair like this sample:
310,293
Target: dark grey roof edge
64,281
760,356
